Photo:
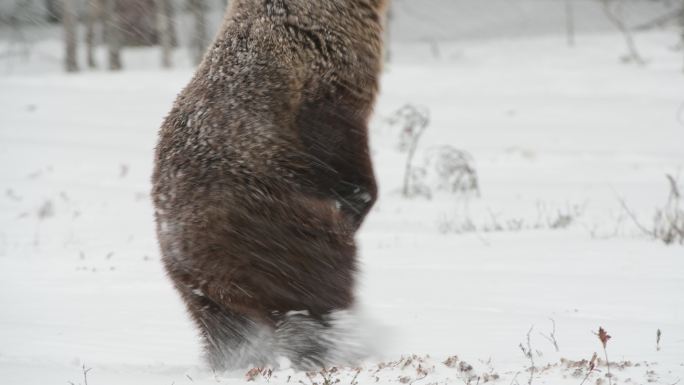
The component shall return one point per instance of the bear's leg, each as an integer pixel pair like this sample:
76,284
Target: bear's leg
231,340
312,342
300,338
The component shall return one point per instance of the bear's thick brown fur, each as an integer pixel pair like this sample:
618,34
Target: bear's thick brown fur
263,175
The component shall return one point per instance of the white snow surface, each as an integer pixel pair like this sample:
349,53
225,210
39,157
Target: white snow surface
552,130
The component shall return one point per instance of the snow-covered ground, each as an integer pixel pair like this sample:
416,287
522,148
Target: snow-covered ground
554,132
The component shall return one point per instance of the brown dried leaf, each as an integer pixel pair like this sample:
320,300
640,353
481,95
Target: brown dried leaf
603,336
252,374
451,362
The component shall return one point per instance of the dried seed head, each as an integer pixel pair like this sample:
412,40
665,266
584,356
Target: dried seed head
603,336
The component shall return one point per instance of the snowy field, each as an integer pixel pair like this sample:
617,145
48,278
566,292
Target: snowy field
559,136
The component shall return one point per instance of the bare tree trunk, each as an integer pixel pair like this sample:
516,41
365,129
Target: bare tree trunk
200,38
570,23
613,11
94,16
165,32
113,34
171,15
70,22
140,19
53,10
681,27
388,33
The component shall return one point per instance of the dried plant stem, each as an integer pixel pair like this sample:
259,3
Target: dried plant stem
610,377
85,375
409,160
586,377
527,351
613,11
634,218
552,337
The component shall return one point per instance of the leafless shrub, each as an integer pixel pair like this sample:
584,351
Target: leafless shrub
556,219
46,210
85,375
413,122
467,373
327,377
614,11
668,221
456,170
447,169
661,20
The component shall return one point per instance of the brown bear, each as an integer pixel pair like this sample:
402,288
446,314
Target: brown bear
263,176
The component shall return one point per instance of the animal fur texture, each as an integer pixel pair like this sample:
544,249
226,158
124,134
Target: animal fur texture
263,176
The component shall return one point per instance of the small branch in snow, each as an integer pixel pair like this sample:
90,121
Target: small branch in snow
528,352
658,335
552,337
356,375
592,367
613,9
634,219
85,374
514,380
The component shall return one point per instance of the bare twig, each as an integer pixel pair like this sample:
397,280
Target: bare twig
658,335
659,21
669,220
85,374
613,11
418,379
356,375
515,379
634,219
592,367
528,352
552,337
